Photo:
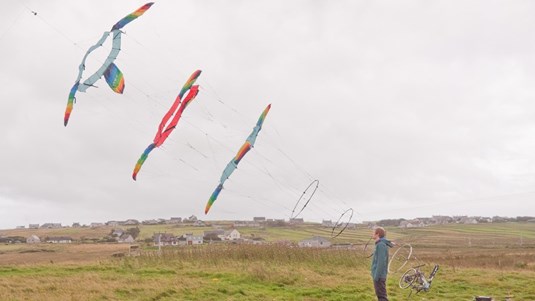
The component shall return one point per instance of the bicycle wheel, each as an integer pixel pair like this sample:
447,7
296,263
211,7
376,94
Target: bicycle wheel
408,278
400,258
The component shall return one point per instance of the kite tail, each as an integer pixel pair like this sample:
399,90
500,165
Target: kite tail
213,197
70,103
131,17
189,83
142,160
263,116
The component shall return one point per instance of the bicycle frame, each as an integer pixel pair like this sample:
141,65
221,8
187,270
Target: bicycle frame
416,280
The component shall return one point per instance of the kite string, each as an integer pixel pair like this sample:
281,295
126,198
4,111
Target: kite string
133,84
301,169
206,85
11,25
216,163
209,89
154,102
71,41
334,212
50,25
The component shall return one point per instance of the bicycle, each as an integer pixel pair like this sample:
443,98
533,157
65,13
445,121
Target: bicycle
415,279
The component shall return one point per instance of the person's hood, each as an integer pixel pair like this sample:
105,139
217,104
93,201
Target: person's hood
385,241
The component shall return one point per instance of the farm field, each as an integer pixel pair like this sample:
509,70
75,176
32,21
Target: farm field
488,259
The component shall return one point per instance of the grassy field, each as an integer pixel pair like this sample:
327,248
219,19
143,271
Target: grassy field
470,265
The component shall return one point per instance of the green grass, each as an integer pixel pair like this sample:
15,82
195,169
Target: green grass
495,263
246,273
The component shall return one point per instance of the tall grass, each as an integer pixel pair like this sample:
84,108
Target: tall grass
268,254
255,272
474,260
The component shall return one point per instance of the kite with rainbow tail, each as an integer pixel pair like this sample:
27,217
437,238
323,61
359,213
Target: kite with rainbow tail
233,164
114,77
164,129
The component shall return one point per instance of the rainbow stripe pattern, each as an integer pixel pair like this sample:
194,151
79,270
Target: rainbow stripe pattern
166,127
213,197
233,164
263,116
241,153
142,160
115,79
70,103
189,83
113,75
131,17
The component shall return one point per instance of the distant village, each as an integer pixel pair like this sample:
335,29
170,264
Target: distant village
127,231
444,219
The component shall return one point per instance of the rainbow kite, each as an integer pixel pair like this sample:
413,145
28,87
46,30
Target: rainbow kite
112,74
233,164
176,109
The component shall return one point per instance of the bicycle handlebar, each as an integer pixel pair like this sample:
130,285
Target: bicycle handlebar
418,266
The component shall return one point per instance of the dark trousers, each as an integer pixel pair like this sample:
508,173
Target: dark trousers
380,289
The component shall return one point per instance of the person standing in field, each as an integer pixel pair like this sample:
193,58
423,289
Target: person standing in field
379,268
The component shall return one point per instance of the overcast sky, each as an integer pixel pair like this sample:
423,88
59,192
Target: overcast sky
399,109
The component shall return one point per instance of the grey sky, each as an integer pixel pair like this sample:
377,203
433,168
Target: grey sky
399,109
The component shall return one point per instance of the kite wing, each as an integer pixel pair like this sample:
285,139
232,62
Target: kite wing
165,128
172,125
116,47
233,164
114,77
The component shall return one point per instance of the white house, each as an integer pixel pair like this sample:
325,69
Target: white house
59,240
315,242
33,239
231,235
220,234
190,239
411,224
126,238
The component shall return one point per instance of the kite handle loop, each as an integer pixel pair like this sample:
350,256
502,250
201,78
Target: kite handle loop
292,216
338,223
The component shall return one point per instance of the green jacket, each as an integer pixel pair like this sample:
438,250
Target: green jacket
379,268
